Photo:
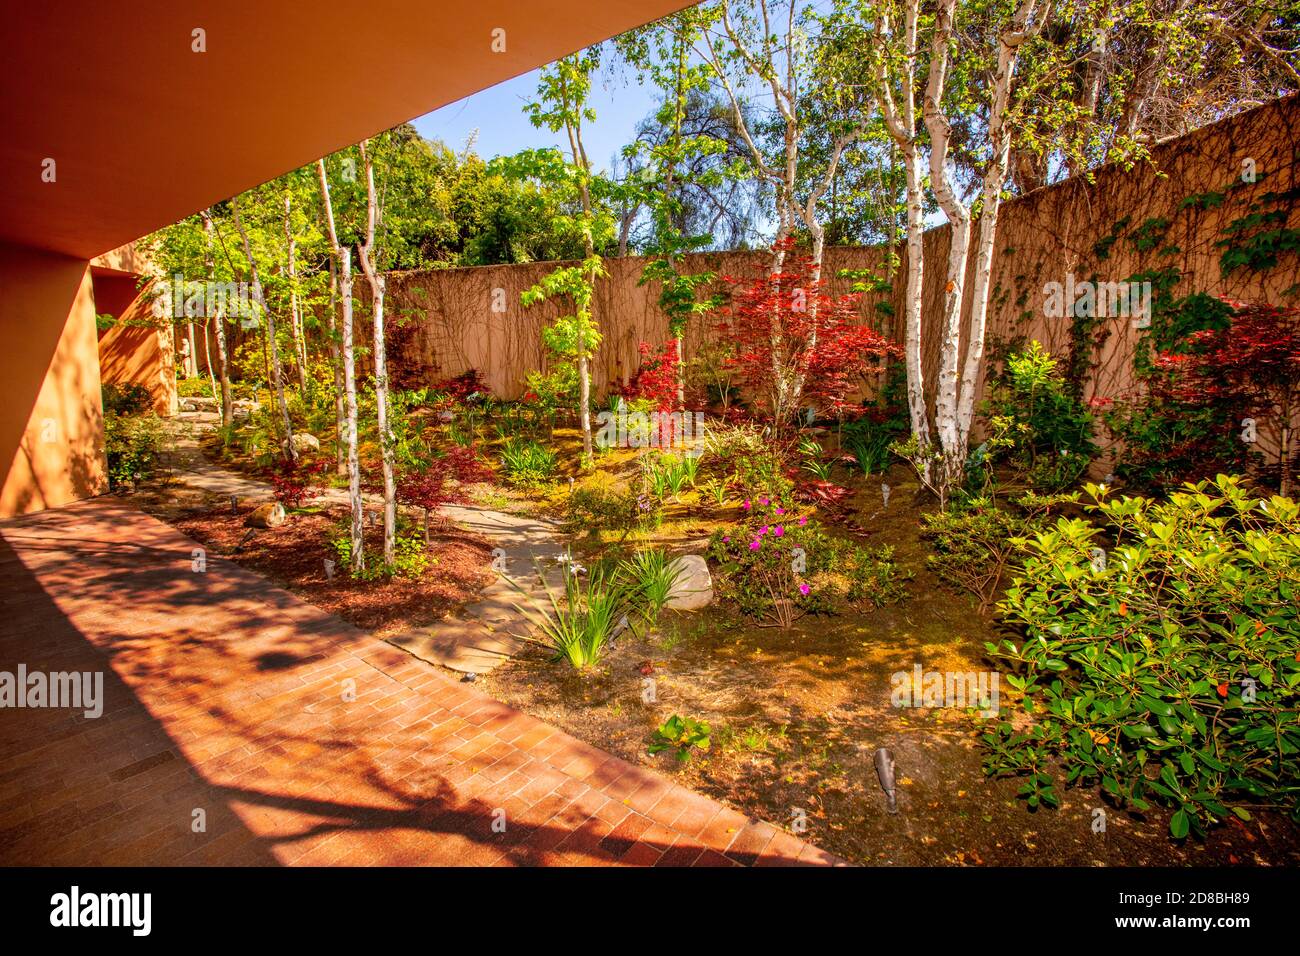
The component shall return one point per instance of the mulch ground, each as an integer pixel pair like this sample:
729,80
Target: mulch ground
294,554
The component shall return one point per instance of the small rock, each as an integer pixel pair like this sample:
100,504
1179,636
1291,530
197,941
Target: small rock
304,443
694,586
269,515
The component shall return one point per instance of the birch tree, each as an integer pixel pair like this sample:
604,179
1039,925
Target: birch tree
747,46
218,321
342,261
901,64
277,369
366,255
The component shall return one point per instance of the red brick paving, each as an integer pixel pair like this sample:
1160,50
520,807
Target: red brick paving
296,738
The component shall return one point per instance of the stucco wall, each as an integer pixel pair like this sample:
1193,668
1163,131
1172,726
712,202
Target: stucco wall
51,422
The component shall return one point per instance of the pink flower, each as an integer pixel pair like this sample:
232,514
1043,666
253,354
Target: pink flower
780,511
803,521
764,502
755,545
746,504
804,589
726,539
778,531
762,530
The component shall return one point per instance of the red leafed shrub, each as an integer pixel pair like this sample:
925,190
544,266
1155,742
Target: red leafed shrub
463,385
1250,370
292,483
656,378
794,344
441,482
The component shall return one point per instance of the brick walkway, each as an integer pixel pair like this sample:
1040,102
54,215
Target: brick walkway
292,737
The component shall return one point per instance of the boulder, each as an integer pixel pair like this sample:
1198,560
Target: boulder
304,443
269,515
693,588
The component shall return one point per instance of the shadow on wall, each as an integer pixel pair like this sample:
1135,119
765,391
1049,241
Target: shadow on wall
51,417
137,351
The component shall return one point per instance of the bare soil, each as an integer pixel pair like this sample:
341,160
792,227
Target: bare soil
796,717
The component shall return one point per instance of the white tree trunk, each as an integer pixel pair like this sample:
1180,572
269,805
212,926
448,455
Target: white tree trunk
348,424
377,284
277,373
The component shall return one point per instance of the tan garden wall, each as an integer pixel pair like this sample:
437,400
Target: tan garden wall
448,322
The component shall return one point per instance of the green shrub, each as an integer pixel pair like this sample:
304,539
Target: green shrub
131,445
597,506
868,441
125,399
197,387
1165,670
667,475
649,577
410,558
680,735
777,566
976,540
1048,430
527,462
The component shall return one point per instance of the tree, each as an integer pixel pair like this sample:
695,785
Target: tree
750,48
366,254
342,255
277,372
219,321
562,92
897,56
668,161
820,340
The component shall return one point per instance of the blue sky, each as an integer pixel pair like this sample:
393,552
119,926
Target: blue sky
498,115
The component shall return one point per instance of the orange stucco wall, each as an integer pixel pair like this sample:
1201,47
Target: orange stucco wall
51,421
139,354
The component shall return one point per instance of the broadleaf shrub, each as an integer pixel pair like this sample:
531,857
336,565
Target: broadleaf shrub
1164,668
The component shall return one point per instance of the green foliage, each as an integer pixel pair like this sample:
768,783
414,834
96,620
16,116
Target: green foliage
1047,431
198,387
527,462
595,507
976,541
681,735
868,441
578,628
650,576
131,445
777,565
1257,240
666,475
1168,671
128,399
410,558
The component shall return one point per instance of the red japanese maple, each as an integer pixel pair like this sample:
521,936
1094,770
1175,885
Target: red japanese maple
795,344
656,378
442,481
1251,368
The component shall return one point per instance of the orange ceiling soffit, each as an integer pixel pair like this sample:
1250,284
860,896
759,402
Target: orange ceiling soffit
142,130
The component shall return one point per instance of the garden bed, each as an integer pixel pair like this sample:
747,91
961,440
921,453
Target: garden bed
294,554
796,717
